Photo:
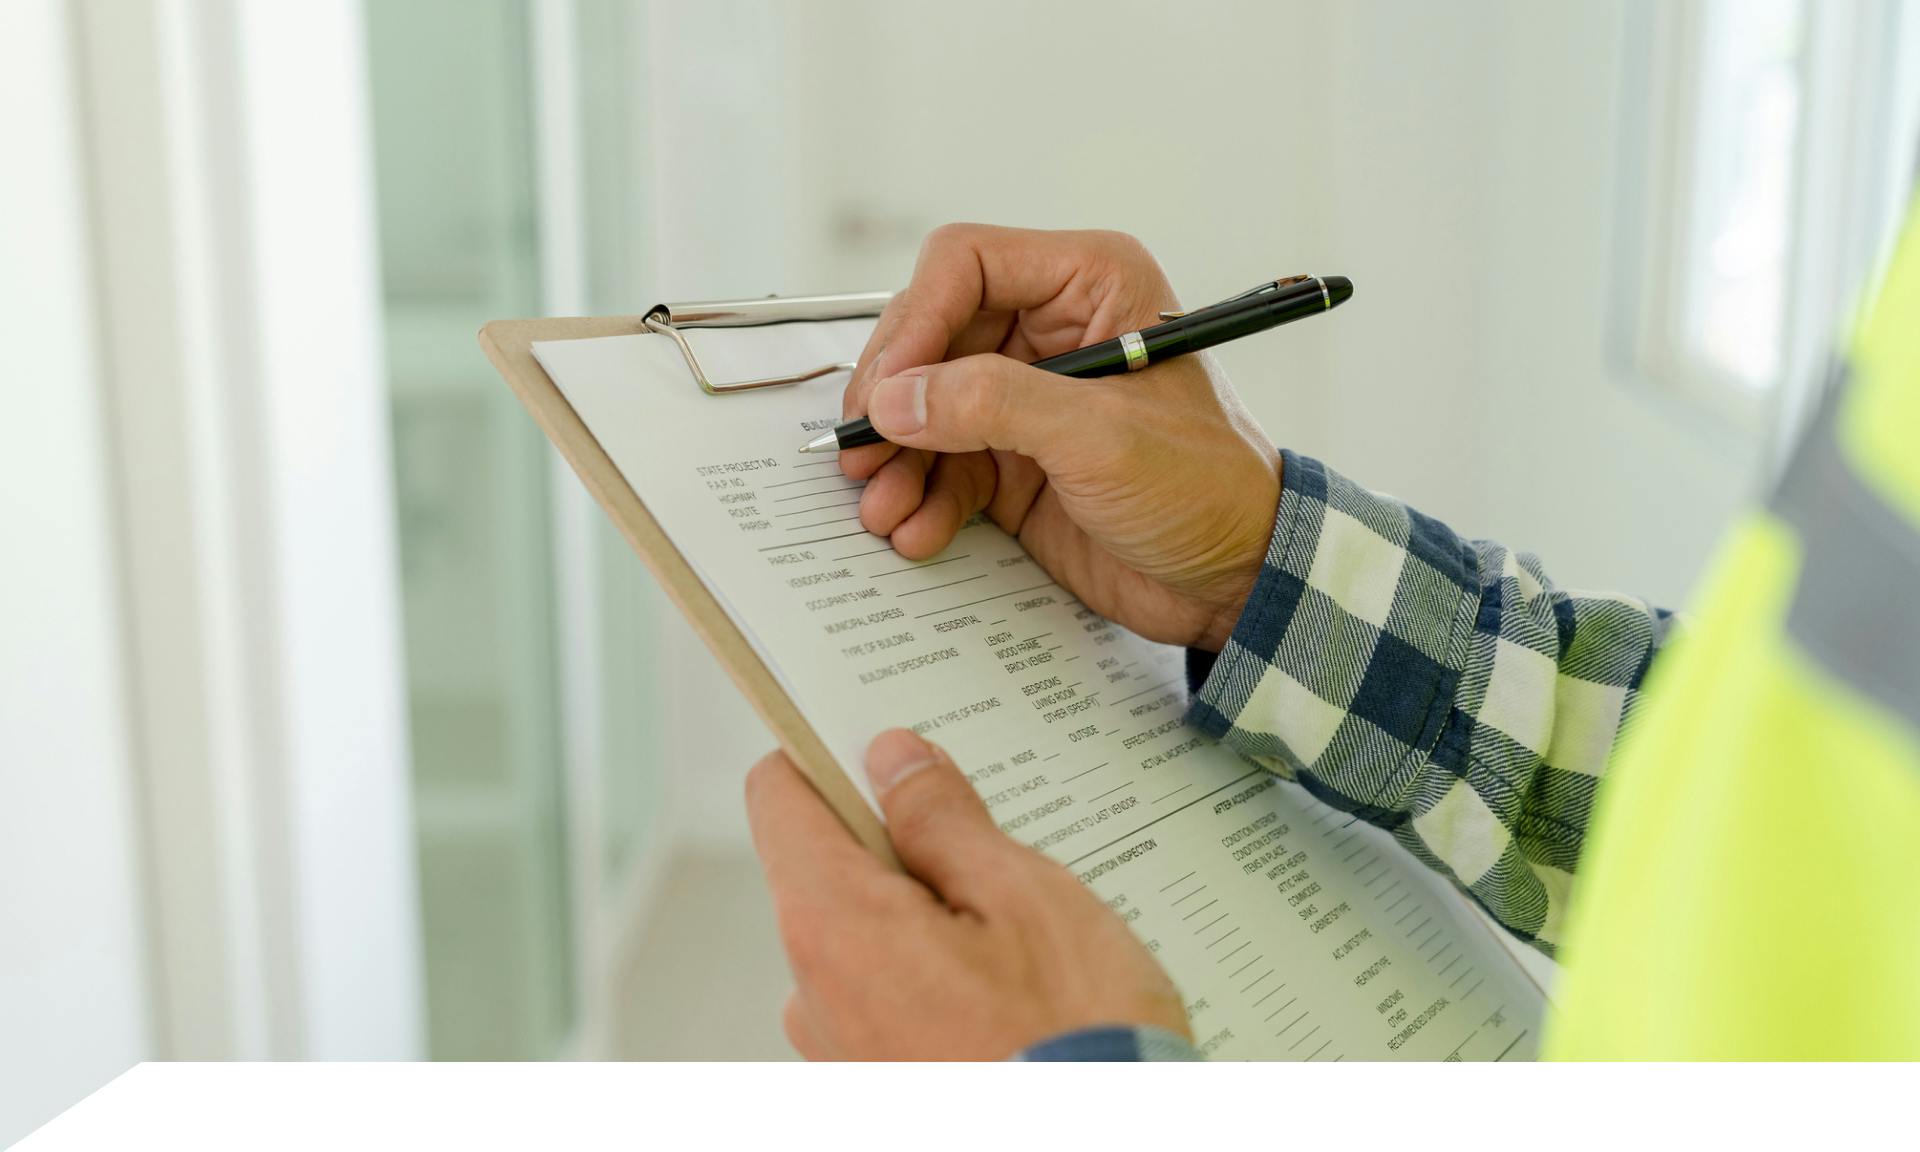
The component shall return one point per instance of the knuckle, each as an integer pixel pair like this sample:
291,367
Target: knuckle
1123,252
914,815
922,805
1132,268
974,484
998,403
933,806
984,387
947,237
1123,244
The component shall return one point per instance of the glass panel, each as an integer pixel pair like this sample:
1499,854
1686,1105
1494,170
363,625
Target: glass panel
454,167
1746,133
632,790
612,102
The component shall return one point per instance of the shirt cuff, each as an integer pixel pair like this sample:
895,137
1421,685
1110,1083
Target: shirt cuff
1342,668
1112,1044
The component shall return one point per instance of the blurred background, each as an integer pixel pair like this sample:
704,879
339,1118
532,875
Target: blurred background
334,720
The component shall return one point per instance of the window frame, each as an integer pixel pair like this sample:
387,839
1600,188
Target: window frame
1857,91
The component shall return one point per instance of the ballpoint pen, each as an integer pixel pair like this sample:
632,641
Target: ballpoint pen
1265,306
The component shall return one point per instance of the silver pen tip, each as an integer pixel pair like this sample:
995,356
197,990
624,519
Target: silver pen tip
825,442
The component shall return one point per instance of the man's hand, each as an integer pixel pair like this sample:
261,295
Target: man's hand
984,950
1150,496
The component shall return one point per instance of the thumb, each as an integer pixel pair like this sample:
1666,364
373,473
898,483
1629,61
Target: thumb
990,401
940,829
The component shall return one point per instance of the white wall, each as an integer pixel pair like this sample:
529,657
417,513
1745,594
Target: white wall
1198,127
1458,163
323,453
73,993
203,792
1477,162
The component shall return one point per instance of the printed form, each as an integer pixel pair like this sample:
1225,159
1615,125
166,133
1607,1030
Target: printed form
1293,931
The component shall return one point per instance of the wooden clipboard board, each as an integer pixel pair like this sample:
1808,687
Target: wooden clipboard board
509,345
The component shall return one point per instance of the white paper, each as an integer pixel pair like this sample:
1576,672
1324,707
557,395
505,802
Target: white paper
1293,931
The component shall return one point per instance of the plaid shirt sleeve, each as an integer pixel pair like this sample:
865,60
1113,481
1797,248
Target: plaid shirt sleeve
1440,688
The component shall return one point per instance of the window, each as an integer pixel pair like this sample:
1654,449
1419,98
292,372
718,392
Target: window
1738,221
510,175
451,85
1776,140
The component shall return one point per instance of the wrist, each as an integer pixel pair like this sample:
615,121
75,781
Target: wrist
1236,586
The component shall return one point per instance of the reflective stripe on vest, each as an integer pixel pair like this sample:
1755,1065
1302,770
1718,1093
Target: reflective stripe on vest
1856,610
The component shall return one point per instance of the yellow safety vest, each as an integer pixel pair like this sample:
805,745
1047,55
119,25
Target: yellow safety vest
1751,885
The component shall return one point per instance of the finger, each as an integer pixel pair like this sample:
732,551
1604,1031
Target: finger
865,461
958,487
983,332
804,849
873,363
973,280
853,398
962,270
994,402
986,333
1017,483
895,491
967,269
940,829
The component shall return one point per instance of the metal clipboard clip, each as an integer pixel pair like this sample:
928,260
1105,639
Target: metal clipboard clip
670,319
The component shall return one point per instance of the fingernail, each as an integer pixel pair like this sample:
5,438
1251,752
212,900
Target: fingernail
885,773
898,406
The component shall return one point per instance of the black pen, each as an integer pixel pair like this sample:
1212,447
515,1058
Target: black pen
1268,305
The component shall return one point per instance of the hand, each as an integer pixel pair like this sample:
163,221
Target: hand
985,949
1151,496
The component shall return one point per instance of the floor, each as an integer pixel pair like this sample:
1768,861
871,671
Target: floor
709,980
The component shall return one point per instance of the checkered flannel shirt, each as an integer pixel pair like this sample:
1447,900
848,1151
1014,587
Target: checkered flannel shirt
1440,688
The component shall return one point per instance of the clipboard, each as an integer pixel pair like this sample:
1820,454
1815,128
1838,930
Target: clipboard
509,346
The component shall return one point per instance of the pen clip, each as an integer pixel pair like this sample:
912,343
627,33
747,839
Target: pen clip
1257,290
